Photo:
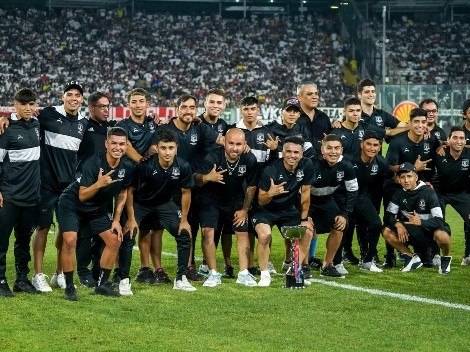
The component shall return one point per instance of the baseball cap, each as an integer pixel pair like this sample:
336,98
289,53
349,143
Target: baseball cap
73,85
466,105
291,102
406,167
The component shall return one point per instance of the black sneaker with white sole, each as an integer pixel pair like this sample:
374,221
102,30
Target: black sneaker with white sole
228,272
24,285
350,258
411,263
107,289
145,276
444,268
161,277
330,271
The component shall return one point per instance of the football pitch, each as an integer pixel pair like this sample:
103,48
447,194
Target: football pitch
417,311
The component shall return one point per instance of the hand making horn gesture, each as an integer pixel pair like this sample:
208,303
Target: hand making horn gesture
276,190
105,180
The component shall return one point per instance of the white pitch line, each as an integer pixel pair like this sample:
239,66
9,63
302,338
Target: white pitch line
401,296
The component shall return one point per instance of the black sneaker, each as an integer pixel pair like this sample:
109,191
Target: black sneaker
411,263
444,268
307,271
70,293
315,263
161,277
350,258
145,276
107,289
5,289
389,262
88,281
24,285
330,271
116,277
254,271
193,275
228,272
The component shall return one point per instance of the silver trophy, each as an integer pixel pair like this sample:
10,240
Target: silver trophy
294,277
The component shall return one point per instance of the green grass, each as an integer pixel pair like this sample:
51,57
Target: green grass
235,318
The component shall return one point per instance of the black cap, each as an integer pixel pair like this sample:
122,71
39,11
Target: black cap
73,85
465,106
291,103
406,167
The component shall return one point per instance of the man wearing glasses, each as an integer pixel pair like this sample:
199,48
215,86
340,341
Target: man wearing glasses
432,111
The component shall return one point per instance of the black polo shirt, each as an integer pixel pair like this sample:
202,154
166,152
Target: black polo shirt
280,130
439,133
351,139
317,127
380,118
452,176
140,135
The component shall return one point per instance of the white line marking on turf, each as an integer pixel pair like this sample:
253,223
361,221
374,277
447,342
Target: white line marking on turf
401,296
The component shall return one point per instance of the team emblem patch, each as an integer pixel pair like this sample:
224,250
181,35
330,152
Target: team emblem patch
374,169
80,128
241,170
260,138
193,138
122,173
339,176
361,134
175,173
220,129
300,175
379,121
426,147
422,204
151,126
465,164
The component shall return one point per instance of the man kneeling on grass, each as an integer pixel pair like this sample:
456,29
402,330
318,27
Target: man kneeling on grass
414,217
86,200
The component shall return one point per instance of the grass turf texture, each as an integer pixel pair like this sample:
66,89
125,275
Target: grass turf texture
231,317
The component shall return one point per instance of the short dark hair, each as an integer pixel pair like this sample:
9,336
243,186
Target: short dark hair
138,91
465,106
216,91
166,136
25,95
370,134
351,101
93,98
428,101
417,112
295,140
456,129
116,131
185,97
367,82
332,138
247,101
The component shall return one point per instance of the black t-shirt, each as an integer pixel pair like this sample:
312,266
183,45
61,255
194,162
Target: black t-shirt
243,172
140,135
99,203
380,118
154,185
302,175
255,140
351,139
317,128
439,133
452,176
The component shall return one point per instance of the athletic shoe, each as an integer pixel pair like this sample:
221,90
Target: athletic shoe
271,268
444,267
390,261
246,279
228,272
436,261
161,277
285,266
116,279
107,289
212,280
183,285
254,271
465,260
330,271
315,263
125,288
193,275
341,269
24,285
350,258
401,257
88,281
58,280
70,293
5,289
40,283
144,276
412,263
203,270
370,266
307,272
265,280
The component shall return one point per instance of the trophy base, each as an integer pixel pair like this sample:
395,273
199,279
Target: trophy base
291,282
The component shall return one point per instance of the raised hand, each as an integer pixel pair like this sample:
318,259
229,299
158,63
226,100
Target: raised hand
272,143
105,180
421,165
215,176
275,190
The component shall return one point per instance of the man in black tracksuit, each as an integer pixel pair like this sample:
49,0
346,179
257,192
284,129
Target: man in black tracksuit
414,217
19,189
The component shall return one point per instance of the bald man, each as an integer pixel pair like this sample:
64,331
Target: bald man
221,178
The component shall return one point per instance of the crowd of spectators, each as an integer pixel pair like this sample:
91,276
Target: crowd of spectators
169,54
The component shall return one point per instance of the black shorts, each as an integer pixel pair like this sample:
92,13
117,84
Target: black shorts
71,220
47,206
419,238
212,216
289,217
323,215
164,216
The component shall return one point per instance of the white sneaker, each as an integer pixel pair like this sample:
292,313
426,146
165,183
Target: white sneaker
307,282
370,266
125,287
341,269
436,261
265,280
212,280
40,283
271,268
58,280
465,261
203,270
183,285
246,279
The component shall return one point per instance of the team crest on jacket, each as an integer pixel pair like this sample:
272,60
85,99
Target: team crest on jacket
241,170
300,175
426,147
193,138
175,173
379,121
339,176
422,204
151,126
374,169
361,133
465,164
122,173
260,138
220,129
80,128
